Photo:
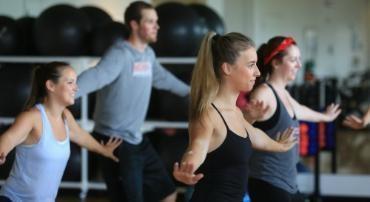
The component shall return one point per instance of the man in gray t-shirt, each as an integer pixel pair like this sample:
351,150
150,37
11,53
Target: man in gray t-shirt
123,80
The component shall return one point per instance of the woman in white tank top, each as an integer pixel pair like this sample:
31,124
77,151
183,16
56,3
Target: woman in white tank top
41,135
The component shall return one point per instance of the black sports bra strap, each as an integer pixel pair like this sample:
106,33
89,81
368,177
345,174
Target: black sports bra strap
273,90
213,105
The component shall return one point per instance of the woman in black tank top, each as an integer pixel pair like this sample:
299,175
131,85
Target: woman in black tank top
279,61
221,140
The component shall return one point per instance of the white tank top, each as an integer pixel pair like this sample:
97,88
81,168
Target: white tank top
38,169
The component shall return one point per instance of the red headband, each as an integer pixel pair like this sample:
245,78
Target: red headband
284,44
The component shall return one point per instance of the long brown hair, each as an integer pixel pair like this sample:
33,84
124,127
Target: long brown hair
206,78
41,74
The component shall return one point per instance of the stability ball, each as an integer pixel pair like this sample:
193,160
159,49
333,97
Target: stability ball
181,30
61,30
104,36
210,17
8,36
25,27
97,17
15,86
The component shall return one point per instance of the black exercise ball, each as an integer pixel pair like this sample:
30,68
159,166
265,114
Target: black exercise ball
25,27
8,36
97,17
167,106
73,169
61,30
181,30
15,86
104,36
210,17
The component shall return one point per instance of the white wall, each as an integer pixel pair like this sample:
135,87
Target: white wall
339,27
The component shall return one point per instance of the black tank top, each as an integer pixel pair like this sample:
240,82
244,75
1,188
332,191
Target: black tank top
225,170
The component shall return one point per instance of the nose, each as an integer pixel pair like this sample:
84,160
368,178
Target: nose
75,88
299,64
257,73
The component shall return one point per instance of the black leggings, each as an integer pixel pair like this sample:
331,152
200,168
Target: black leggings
4,199
261,191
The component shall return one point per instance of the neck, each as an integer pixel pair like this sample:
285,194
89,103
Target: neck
54,110
226,97
137,43
277,81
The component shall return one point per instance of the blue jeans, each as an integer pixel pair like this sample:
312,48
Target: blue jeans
139,176
4,199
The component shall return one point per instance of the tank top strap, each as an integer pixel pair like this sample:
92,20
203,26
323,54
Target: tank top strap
213,105
66,127
40,107
279,101
273,90
44,120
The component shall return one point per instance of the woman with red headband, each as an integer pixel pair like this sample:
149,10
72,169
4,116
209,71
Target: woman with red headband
275,173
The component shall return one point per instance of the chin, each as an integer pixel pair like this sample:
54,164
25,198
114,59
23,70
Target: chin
70,103
151,39
247,89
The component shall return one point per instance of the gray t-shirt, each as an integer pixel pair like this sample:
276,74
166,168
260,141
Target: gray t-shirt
278,169
124,78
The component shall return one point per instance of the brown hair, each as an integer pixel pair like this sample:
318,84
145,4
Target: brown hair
41,74
133,12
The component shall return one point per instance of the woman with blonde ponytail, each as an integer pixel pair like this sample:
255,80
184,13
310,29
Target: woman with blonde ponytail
221,140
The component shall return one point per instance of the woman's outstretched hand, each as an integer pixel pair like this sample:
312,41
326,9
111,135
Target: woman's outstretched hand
354,122
110,146
332,112
255,110
288,138
185,173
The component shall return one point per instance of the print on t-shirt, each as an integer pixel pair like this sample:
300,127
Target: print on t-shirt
142,69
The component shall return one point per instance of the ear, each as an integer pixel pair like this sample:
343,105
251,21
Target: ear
275,63
226,68
134,25
50,86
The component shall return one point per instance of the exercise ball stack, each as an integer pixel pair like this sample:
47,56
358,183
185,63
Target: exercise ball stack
103,31
8,36
104,36
96,16
61,30
210,17
181,30
25,28
15,86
